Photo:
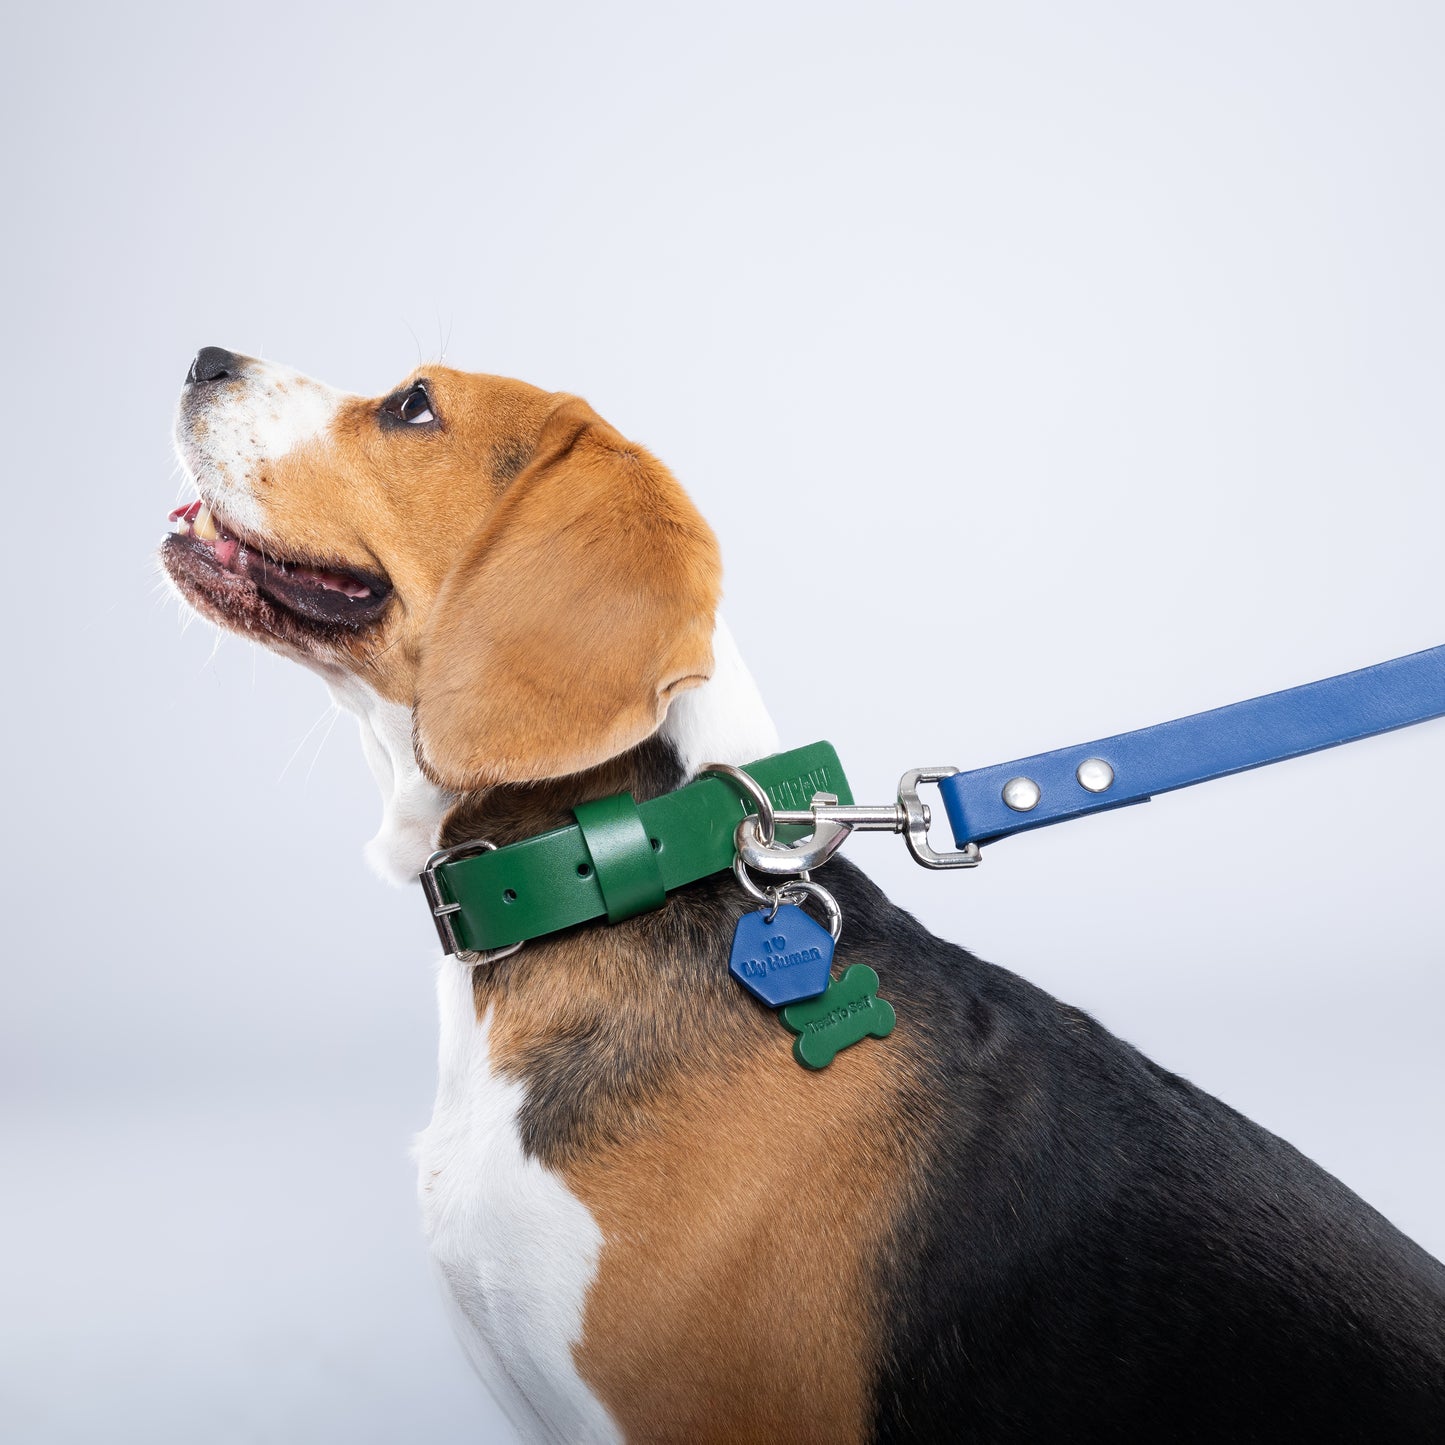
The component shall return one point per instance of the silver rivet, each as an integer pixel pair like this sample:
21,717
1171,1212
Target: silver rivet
1021,794
1095,775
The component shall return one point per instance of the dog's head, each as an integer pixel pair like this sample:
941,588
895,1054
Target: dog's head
494,557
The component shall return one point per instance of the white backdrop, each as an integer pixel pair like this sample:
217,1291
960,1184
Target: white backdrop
1084,362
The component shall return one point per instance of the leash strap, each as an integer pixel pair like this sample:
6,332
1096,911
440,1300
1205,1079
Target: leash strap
620,857
991,803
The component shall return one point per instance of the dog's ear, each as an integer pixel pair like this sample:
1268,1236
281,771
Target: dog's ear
583,605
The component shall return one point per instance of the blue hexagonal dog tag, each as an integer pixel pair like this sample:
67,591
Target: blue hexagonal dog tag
781,960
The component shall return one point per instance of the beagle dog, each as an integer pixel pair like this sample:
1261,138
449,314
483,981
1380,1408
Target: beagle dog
1000,1223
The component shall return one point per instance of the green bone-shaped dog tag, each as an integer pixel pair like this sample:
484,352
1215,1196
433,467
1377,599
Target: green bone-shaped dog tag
850,1010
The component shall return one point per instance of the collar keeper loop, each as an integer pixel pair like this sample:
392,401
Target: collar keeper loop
622,856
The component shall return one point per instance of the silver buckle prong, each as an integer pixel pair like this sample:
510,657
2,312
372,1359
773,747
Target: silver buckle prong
444,909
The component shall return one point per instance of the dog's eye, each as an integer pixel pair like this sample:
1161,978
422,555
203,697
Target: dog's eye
412,406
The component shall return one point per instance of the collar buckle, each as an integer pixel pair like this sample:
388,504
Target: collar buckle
444,910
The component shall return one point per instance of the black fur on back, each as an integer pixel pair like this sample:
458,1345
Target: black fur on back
1101,1251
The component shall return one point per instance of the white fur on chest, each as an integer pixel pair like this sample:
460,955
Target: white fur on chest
516,1250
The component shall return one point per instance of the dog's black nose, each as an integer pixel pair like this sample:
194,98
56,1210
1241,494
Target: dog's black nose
213,363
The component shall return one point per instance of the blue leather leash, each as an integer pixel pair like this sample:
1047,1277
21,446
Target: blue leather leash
991,803
783,957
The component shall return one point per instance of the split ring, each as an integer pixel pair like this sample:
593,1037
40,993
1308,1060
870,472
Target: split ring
814,890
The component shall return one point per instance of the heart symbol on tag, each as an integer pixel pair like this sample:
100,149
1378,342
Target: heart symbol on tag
780,955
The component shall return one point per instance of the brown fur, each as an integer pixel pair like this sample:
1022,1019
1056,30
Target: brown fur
724,1308
572,617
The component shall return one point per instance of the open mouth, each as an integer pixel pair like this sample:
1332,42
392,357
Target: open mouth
252,587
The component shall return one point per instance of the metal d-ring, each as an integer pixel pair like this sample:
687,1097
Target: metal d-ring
767,826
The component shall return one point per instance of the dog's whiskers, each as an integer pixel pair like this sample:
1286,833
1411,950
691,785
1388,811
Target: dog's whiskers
328,713
325,738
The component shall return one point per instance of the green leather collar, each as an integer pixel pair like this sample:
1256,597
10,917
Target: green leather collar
620,857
